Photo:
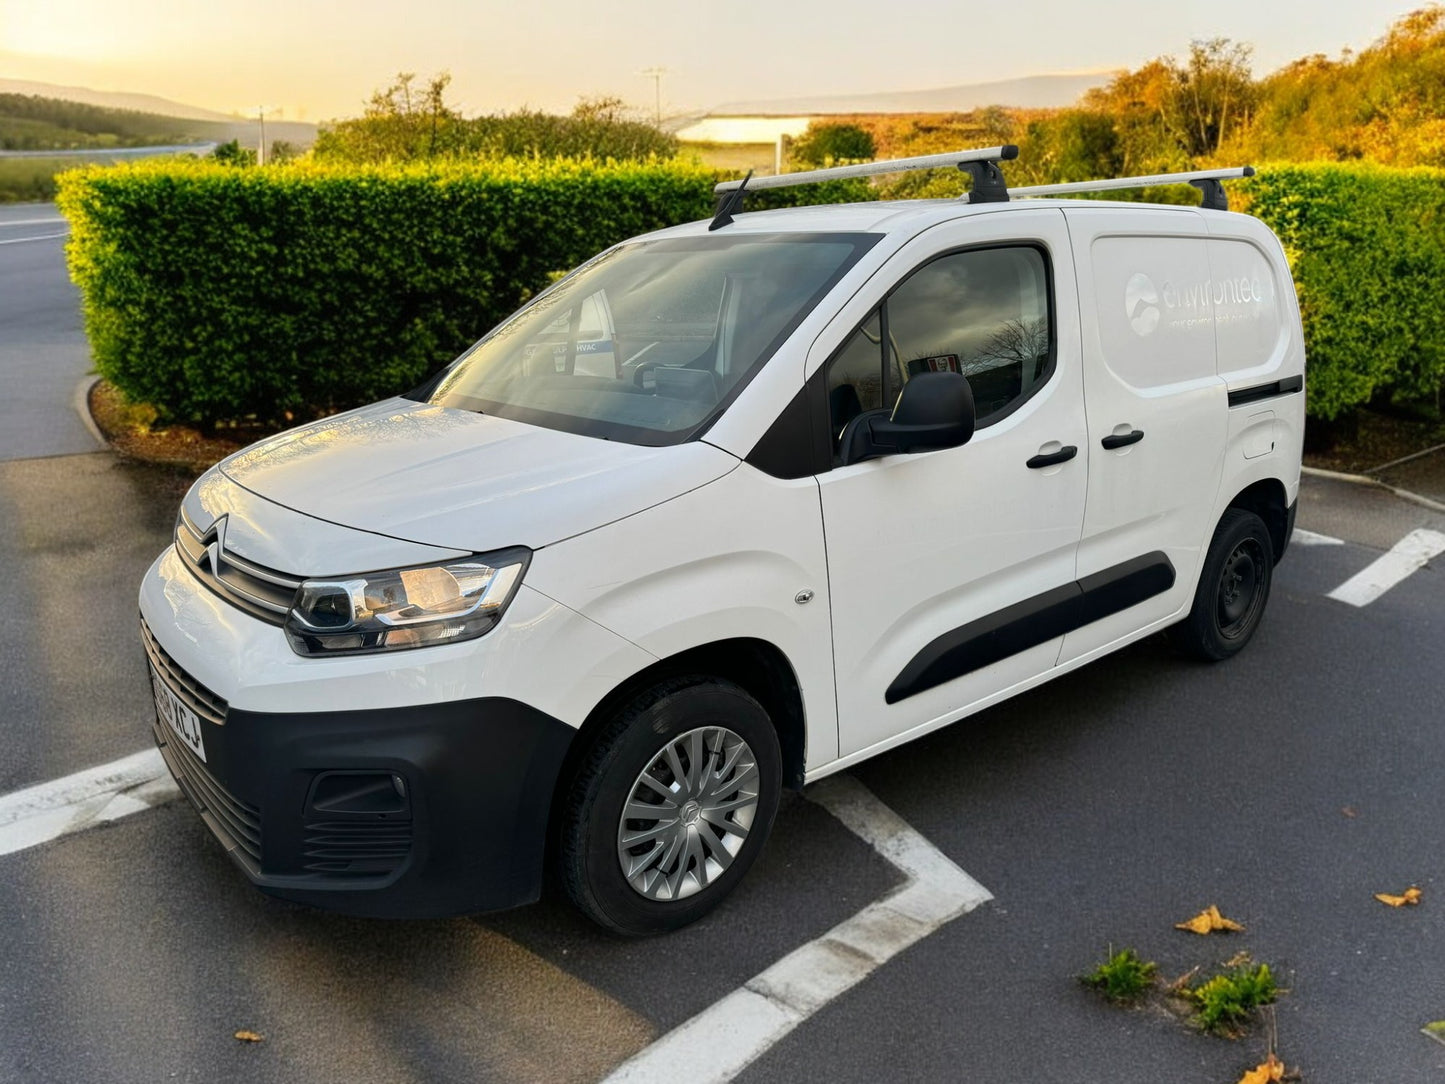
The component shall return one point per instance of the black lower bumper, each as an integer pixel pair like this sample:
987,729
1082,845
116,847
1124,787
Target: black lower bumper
402,812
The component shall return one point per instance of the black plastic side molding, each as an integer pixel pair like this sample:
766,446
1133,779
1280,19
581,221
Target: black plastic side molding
1032,622
1287,386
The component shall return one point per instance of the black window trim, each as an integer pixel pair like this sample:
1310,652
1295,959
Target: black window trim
824,463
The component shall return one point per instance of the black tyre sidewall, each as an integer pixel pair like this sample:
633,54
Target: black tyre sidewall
1200,634
593,875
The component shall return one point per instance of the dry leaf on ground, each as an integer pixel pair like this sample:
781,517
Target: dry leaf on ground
1209,921
250,1036
1410,897
1265,1072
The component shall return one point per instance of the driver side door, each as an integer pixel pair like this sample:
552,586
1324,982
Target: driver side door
944,566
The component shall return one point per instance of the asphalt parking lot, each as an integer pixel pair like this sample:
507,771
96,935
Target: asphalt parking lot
1286,786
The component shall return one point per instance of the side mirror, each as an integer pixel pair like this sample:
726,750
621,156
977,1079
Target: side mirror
935,411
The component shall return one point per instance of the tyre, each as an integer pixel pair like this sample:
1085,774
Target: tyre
1233,589
670,806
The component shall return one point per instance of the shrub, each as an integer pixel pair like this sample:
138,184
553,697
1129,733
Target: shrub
282,294
1367,247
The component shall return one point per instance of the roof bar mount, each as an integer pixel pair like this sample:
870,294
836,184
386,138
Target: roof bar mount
1206,180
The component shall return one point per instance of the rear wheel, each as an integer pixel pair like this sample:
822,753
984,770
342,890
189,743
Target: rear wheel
671,806
1233,588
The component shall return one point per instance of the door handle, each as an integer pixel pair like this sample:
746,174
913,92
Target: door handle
1122,440
1063,455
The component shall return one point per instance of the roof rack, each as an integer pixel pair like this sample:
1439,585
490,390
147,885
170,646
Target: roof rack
977,163
1206,180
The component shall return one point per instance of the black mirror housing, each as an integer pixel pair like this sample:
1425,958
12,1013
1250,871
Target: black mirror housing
934,411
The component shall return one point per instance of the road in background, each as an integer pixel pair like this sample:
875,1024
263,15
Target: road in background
43,351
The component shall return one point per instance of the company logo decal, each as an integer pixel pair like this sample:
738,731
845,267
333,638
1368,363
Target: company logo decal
1141,304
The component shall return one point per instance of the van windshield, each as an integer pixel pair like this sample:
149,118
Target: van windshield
649,342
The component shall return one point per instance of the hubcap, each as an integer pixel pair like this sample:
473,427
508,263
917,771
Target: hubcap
688,814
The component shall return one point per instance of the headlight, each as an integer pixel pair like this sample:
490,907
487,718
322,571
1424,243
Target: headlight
408,607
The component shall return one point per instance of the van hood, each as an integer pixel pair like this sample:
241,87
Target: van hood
461,480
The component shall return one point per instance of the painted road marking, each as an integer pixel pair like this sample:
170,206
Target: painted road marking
1409,555
48,811
32,222
723,1039
42,237
1303,537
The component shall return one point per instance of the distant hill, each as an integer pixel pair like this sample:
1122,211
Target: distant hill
205,124
1030,92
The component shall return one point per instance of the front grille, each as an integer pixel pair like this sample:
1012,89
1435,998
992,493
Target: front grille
357,848
193,694
233,820
262,592
230,818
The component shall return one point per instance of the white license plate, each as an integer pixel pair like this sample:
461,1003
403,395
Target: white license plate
184,723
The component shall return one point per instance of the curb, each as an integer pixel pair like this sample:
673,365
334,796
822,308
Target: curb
1375,483
82,407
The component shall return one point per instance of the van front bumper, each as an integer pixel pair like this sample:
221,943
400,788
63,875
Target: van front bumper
414,812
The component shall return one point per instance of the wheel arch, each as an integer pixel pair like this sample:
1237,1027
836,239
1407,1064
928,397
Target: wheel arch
757,666
1267,499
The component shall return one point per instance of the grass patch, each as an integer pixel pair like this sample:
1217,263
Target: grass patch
1229,999
1123,978
30,180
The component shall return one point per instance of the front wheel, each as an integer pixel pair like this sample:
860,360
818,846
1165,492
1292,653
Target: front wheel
671,805
1233,588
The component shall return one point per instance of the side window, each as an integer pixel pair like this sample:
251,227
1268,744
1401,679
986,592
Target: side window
984,313
855,376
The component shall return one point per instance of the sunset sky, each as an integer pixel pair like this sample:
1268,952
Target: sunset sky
320,60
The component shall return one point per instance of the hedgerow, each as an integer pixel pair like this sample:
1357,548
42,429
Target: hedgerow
285,293
1367,247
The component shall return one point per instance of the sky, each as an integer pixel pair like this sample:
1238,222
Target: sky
318,60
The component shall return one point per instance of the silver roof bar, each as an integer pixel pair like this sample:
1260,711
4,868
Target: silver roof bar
869,169
1206,180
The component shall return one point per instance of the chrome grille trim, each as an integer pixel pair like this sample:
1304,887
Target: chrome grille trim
262,592
192,693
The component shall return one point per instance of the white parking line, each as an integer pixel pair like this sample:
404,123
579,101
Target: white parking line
723,1039
42,237
1409,555
1302,537
50,810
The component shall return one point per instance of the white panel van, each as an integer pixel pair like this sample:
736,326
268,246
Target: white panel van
733,506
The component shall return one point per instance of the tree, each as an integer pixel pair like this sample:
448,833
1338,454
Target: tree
830,144
233,154
401,124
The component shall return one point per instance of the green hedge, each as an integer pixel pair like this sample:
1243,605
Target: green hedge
285,293
1367,246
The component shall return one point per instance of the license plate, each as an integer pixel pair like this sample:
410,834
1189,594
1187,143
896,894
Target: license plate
184,723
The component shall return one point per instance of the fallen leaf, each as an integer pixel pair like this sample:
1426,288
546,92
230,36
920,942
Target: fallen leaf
1411,897
1209,921
1265,1072
1349,811
1239,959
250,1036
1436,1030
